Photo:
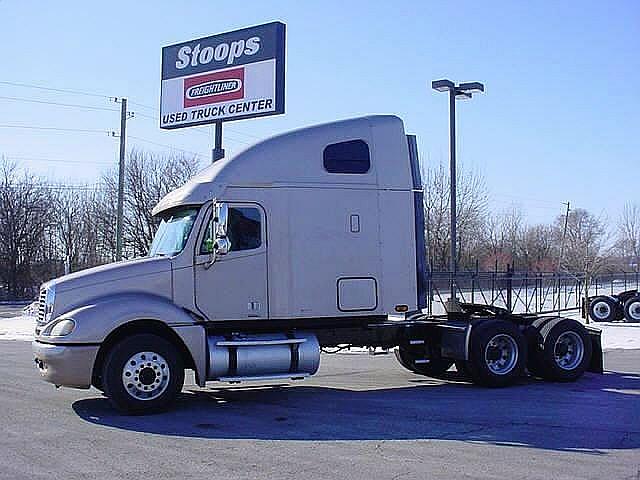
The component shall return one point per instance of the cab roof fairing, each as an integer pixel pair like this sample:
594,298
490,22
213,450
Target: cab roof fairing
295,157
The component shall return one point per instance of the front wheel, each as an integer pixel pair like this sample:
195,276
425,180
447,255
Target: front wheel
142,374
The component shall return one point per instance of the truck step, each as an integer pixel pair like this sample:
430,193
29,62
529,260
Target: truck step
254,343
275,376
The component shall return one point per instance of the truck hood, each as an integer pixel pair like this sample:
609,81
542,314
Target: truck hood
111,272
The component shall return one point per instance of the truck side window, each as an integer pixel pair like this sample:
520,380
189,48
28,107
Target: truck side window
243,230
347,157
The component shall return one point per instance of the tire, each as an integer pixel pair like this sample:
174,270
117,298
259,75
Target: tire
603,309
435,368
632,309
497,355
563,350
149,389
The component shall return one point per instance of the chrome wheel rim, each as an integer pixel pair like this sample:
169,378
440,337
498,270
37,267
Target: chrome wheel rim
568,350
634,311
145,376
601,310
501,354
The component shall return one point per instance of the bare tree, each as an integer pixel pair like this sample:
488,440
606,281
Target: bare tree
503,235
149,177
628,242
76,230
585,242
539,248
472,200
25,209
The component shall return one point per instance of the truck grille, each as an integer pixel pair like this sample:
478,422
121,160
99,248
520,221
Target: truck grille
41,306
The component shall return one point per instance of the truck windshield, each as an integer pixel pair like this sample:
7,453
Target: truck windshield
173,232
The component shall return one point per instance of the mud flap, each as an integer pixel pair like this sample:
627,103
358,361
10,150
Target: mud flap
597,363
454,342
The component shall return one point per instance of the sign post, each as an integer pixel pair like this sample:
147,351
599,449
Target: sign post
231,76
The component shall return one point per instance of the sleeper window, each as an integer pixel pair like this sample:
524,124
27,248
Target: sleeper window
347,157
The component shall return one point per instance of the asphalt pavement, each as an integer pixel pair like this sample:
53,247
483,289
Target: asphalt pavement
361,417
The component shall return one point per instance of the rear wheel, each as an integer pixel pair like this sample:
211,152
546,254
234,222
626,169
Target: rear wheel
413,361
603,309
563,350
497,355
632,309
142,374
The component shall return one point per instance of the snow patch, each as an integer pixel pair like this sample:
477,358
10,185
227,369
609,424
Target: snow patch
17,328
616,335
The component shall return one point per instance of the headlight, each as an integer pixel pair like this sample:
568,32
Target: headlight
48,303
62,328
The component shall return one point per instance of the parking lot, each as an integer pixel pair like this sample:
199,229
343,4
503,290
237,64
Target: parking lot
360,417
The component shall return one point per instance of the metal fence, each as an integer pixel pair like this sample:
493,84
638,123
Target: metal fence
525,292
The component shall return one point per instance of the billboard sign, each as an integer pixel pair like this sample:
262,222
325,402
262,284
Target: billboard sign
231,76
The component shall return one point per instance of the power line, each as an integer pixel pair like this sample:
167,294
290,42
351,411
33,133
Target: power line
73,105
51,89
227,128
110,97
194,130
58,129
57,160
107,132
143,106
529,199
167,146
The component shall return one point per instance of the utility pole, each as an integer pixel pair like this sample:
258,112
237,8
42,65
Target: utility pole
564,236
120,211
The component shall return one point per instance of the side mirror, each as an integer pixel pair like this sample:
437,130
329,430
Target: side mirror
222,217
222,246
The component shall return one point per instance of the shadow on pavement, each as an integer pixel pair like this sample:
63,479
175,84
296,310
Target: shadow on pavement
596,413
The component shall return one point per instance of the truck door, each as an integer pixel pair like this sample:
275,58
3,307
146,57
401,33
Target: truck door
234,287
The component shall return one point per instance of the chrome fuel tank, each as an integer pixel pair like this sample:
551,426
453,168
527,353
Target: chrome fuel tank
275,355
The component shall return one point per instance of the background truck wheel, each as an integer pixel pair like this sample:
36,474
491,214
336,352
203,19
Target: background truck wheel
142,374
498,353
562,351
632,309
435,368
603,309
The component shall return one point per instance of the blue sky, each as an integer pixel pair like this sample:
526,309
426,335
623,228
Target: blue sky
559,120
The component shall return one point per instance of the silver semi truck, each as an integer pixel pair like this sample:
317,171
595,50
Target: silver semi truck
310,239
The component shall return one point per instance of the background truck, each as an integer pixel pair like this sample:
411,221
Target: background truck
310,239
610,308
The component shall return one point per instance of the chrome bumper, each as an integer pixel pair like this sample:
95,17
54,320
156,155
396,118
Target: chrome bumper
65,365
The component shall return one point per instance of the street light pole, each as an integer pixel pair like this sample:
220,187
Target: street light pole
453,263
461,91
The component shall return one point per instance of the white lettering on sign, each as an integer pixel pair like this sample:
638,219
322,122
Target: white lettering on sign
201,56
